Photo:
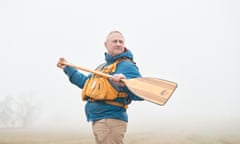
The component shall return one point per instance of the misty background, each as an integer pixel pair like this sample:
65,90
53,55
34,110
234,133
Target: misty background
193,43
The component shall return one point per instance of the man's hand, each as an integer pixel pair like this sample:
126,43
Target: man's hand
61,62
117,79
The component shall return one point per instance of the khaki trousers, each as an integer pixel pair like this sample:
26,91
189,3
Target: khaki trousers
109,131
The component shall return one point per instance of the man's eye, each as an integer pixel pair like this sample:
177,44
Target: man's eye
116,41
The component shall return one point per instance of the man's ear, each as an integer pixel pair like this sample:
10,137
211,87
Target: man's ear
105,44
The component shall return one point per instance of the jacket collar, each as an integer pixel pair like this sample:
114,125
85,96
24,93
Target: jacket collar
110,59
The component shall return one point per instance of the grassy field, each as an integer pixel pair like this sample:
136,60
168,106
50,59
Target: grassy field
27,136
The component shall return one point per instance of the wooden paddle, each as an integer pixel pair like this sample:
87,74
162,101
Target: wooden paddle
151,89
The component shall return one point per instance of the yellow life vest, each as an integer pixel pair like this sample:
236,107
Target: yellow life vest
99,88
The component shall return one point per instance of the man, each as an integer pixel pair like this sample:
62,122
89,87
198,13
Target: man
108,111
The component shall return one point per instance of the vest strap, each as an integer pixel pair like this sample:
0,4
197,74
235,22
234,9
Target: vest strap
110,102
116,104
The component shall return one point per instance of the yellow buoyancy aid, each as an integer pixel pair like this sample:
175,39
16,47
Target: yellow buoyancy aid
99,88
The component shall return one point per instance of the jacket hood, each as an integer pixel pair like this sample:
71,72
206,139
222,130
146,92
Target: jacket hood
126,54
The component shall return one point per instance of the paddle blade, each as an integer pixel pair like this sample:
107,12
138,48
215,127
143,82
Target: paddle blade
151,89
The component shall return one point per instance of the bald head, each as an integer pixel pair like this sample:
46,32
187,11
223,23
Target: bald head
114,32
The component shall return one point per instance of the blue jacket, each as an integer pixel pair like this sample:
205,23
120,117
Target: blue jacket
99,110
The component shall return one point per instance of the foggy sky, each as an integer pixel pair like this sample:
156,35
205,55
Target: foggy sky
193,43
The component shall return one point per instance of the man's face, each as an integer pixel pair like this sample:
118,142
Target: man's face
115,44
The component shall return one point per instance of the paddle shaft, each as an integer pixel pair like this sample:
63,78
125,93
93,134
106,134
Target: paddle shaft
88,70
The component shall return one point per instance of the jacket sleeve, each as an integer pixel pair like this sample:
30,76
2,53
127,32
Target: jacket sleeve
75,77
130,70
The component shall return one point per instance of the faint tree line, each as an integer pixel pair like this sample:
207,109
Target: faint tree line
17,112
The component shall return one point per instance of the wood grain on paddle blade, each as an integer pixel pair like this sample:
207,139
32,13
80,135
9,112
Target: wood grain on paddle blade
152,89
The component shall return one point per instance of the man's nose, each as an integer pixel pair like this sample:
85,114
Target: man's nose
118,42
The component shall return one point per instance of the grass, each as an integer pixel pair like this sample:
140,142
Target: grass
29,136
